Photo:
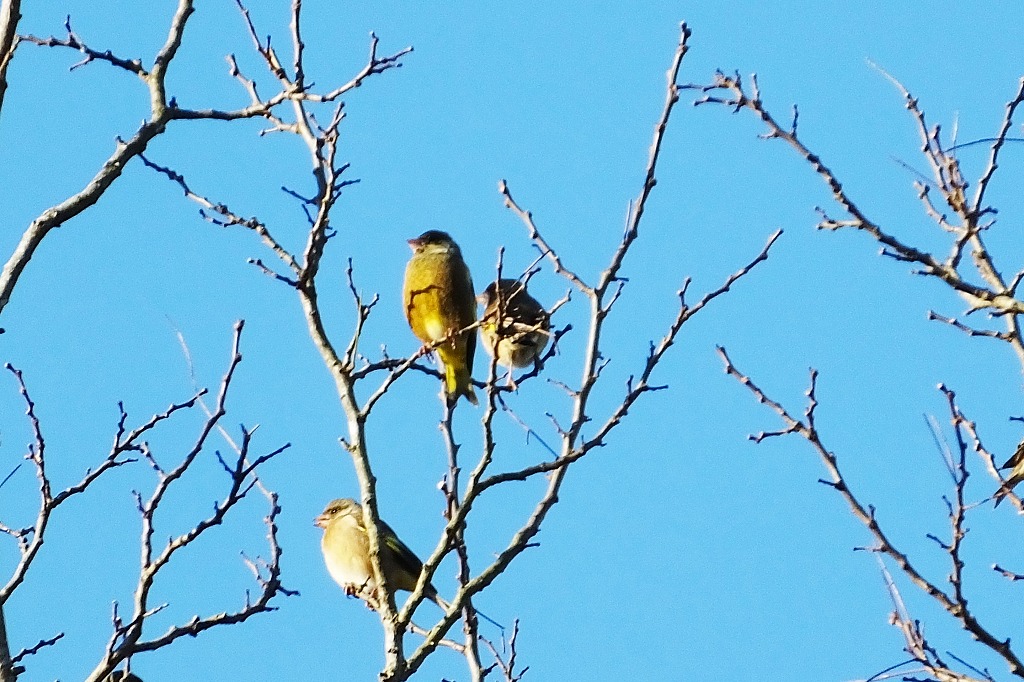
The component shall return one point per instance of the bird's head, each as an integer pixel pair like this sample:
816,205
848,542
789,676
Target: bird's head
337,509
433,240
509,288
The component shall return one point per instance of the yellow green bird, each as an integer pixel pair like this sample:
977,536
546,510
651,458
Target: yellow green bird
439,304
346,552
522,332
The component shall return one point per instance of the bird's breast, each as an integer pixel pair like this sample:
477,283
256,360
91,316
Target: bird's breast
434,327
346,556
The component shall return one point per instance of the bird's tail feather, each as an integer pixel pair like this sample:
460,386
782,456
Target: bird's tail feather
457,378
1005,489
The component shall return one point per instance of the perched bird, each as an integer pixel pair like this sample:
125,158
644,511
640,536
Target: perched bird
347,553
522,333
438,298
1016,475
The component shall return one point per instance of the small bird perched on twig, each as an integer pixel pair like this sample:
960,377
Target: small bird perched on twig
439,305
523,330
347,553
346,550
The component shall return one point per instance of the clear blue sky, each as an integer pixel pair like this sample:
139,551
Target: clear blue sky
679,551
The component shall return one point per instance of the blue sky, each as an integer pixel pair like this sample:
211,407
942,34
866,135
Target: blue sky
680,547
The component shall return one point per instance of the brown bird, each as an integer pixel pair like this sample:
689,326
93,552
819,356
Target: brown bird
439,303
523,331
346,551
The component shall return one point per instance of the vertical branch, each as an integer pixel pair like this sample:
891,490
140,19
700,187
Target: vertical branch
158,75
6,666
10,15
452,448
299,46
355,444
471,649
572,446
321,145
1011,106
470,625
37,454
637,212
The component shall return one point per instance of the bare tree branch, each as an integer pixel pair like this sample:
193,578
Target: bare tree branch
222,216
571,449
74,42
10,15
954,602
994,295
507,665
977,205
917,646
126,640
36,647
30,540
321,142
163,110
8,673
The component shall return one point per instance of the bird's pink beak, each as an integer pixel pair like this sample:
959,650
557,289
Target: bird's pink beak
414,243
321,521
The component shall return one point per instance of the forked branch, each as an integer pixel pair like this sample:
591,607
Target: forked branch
953,600
965,225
